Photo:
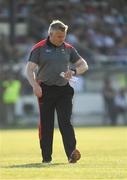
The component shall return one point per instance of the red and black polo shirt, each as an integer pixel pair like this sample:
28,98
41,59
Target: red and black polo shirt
52,60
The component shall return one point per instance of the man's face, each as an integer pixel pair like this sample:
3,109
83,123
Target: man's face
57,37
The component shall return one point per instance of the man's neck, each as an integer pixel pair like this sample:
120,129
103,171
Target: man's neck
51,43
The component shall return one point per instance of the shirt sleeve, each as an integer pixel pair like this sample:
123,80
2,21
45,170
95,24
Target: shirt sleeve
74,55
34,56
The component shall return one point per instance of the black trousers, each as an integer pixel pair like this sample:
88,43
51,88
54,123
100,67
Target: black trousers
60,99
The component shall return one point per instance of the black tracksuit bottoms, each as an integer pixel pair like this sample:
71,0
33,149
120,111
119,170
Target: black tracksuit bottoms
57,98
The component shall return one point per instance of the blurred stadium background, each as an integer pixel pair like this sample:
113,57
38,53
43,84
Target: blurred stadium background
97,28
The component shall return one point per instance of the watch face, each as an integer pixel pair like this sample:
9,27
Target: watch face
74,70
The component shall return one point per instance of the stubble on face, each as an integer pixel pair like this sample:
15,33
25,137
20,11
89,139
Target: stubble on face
57,37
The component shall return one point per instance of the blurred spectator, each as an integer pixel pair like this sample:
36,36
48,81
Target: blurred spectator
2,108
10,96
109,102
121,104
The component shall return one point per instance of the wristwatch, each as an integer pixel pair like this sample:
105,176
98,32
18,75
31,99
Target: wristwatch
75,72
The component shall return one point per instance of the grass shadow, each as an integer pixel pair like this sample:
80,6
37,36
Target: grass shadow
34,165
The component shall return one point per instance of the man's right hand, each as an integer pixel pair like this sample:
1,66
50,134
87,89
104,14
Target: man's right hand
37,90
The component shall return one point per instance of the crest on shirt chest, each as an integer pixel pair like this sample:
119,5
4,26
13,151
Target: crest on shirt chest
63,51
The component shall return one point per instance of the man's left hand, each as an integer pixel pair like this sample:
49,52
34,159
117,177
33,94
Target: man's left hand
68,74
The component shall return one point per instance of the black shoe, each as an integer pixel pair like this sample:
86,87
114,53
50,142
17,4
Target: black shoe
46,161
75,156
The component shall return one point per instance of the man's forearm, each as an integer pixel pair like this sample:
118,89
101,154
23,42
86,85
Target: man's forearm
81,68
31,77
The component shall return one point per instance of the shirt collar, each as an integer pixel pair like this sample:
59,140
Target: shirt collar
49,43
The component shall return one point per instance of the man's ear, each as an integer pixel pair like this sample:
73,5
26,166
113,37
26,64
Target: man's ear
50,34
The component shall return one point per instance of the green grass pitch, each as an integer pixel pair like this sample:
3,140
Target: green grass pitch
103,149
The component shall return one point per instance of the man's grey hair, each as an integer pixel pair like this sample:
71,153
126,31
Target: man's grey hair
57,25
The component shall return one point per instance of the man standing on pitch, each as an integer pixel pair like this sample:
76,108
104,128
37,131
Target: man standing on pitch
52,56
